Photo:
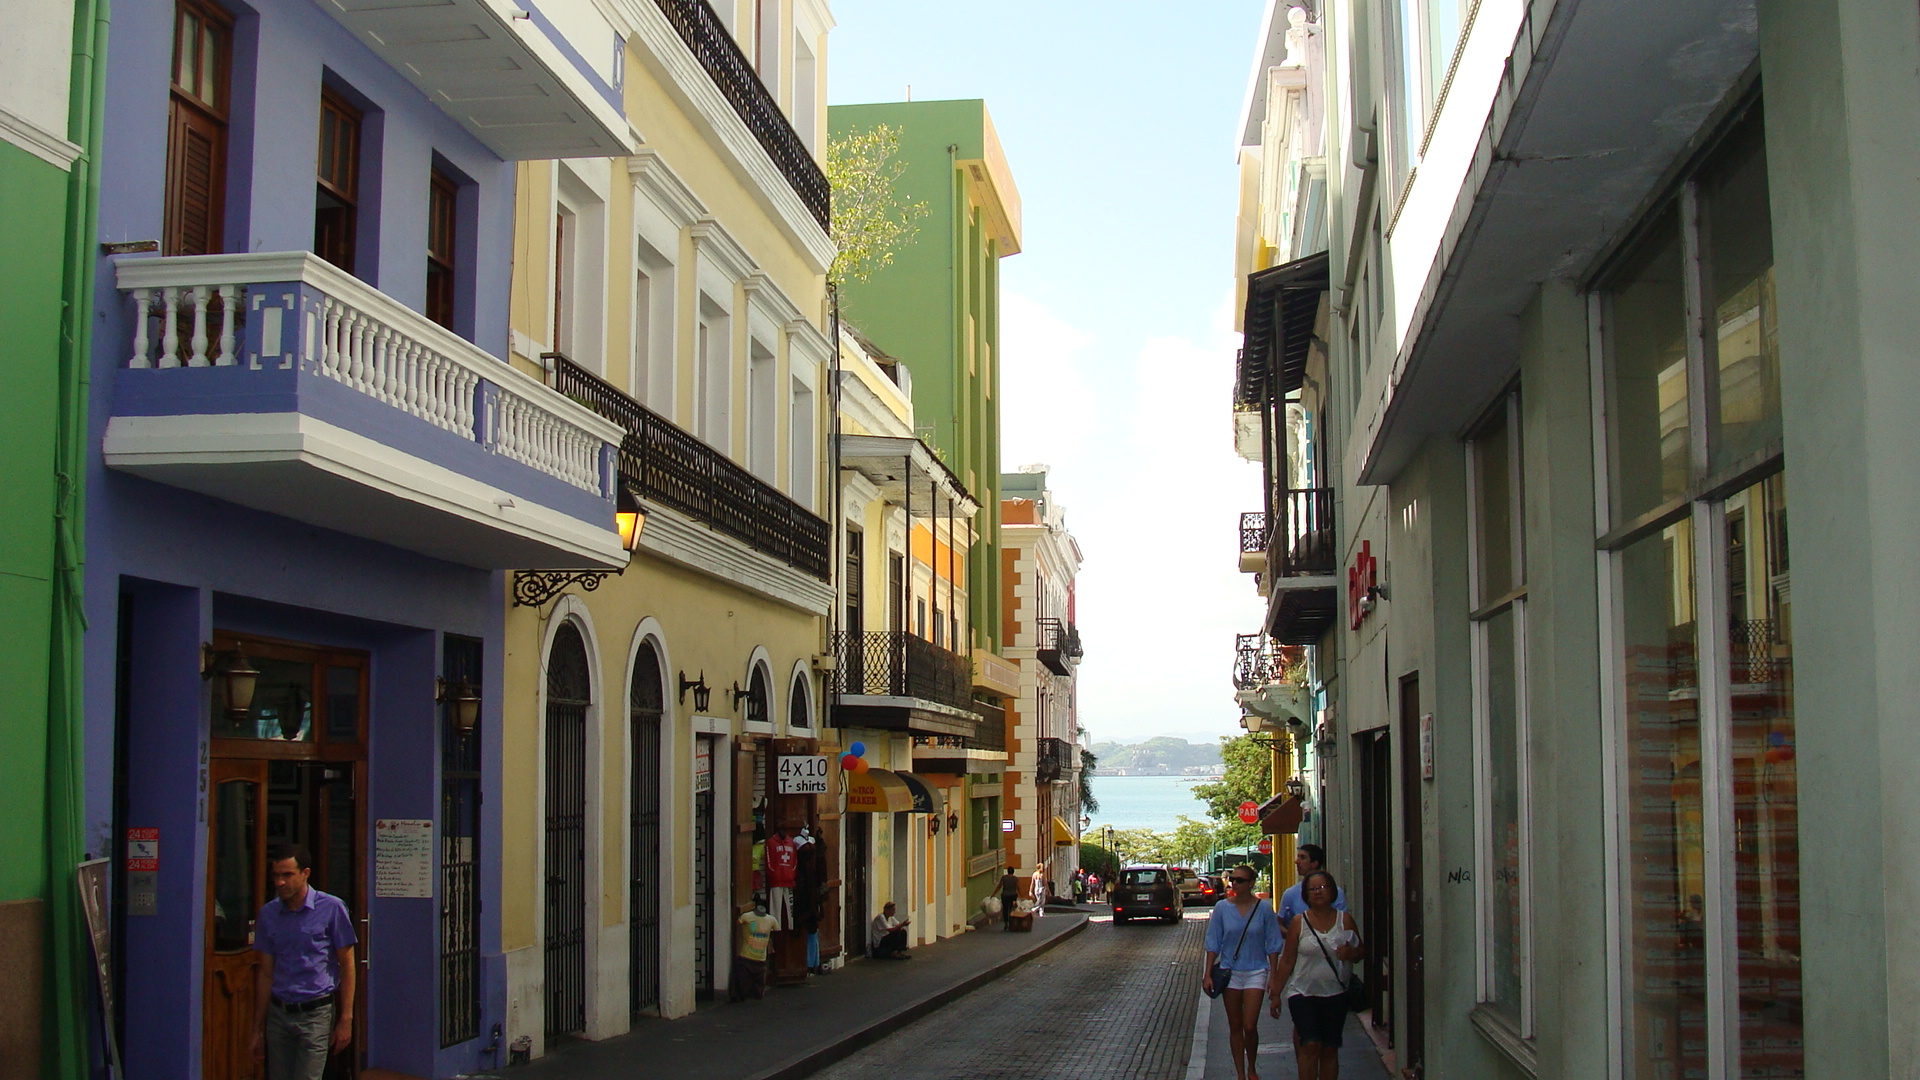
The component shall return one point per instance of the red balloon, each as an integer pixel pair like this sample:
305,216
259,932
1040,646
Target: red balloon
848,761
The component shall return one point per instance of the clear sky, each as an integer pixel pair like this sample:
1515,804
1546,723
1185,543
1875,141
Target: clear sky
1119,123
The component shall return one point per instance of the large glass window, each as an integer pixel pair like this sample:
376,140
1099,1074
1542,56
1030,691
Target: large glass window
1708,801
1500,710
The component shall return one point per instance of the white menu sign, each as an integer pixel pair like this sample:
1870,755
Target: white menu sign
403,857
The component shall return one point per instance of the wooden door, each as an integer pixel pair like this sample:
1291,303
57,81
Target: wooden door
236,889
1376,869
1413,872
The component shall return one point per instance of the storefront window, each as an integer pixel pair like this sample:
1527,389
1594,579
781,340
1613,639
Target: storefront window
282,704
1648,410
1737,243
1506,952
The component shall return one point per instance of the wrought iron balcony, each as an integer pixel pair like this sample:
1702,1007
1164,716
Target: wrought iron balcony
1254,537
713,46
1304,545
896,664
1259,660
662,462
1050,646
1052,758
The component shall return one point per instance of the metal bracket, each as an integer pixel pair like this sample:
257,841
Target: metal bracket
531,588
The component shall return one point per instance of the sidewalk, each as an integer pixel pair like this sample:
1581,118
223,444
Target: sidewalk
1358,1058
796,1031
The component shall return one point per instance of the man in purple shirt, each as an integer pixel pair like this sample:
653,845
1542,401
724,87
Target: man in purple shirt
303,992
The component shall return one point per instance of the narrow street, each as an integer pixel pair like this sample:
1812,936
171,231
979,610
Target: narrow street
1113,1003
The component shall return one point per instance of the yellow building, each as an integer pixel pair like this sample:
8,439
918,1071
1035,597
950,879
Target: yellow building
903,689
681,292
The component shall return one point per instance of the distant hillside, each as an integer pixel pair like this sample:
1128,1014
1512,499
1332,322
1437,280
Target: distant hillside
1162,756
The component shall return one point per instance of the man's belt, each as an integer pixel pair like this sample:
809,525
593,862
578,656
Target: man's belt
304,1006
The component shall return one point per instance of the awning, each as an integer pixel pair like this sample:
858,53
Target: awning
877,791
1061,834
1282,305
922,792
1282,814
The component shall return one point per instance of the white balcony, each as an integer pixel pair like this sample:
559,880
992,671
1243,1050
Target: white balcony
278,382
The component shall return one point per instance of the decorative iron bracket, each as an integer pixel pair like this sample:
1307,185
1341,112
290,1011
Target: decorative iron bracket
531,588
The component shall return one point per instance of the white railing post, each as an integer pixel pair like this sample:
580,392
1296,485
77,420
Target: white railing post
199,355
141,313
229,307
169,327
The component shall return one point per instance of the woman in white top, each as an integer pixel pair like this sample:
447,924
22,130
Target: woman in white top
1322,944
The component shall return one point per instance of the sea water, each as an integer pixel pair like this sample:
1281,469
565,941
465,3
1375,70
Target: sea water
1145,802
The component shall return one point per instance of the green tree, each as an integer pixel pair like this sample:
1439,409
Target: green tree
1193,840
1248,777
1096,859
870,220
1088,804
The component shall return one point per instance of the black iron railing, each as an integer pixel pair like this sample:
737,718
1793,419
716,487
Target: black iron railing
1304,545
1253,531
1050,645
1752,647
1259,660
1051,759
460,831
1071,646
707,37
991,736
663,462
894,663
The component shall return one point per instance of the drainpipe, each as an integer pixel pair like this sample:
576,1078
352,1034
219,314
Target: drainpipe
65,1053
837,513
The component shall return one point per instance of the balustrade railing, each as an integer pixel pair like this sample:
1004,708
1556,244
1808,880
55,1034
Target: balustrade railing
713,46
1052,758
273,311
894,663
1259,660
666,463
1305,544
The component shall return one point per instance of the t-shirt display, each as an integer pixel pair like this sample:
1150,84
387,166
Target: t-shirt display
755,928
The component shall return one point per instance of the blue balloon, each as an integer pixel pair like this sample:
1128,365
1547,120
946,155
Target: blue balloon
858,749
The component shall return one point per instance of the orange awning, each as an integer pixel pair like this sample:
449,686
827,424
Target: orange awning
1061,834
877,791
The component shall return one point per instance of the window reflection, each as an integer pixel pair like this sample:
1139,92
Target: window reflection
1737,238
235,869
1647,403
282,704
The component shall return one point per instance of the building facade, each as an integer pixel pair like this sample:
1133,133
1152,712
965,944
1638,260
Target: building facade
1607,289
49,154
679,292
1040,558
310,467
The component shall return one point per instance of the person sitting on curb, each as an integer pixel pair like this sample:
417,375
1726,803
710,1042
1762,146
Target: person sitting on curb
887,938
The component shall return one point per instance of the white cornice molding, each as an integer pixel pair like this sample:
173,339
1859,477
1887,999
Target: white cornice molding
663,187
808,338
661,48
679,539
39,142
712,240
763,293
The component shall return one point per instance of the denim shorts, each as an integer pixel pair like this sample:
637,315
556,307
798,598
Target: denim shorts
1318,1019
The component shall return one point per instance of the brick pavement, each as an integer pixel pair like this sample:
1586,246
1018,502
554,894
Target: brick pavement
1114,1003
794,1031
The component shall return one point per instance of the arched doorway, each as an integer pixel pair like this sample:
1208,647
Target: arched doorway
646,703
569,695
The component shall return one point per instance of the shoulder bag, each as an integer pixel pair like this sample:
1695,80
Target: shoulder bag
1355,996
1222,974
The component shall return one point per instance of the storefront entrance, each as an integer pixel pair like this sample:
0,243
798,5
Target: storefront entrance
286,770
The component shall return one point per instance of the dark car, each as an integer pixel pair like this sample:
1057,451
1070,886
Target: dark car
1143,892
1193,887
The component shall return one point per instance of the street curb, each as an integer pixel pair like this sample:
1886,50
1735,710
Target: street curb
1197,1053
813,1061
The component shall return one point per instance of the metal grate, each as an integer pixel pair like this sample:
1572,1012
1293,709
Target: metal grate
646,704
895,663
707,37
661,461
459,855
569,691
703,944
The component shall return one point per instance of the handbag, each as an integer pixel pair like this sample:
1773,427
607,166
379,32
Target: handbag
1355,995
1222,974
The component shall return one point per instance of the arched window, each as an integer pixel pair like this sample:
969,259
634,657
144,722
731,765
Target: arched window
799,708
646,702
759,697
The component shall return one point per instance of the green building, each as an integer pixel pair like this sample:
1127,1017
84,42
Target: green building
48,120
937,305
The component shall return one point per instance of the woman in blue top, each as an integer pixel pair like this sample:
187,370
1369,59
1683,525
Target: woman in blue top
1243,933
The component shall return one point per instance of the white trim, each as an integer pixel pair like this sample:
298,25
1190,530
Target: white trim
655,179
702,724
569,608
764,293
711,241
1614,800
1717,836
803,673
679,539
38,141
197,451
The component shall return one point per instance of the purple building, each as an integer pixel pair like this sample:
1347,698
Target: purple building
312,473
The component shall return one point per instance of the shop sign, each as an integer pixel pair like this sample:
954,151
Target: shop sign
403,857
1006,824
803,775
703,768
1426,746
1362,578
143,871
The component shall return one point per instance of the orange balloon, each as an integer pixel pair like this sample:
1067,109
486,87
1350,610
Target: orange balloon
860,765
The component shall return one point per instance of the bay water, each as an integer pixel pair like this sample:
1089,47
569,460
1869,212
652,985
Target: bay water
1145,802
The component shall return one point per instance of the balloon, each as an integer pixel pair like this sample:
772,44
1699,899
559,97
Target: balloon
858,749
848,761
860,764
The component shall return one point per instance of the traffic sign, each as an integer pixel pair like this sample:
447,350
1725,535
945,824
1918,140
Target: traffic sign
1266,845
1249,811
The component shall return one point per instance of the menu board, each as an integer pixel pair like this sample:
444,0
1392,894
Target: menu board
403,857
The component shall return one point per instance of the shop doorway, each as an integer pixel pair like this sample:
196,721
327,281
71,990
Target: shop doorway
1413,871
569,696
287,770
646,703
1375,764
704,961
859,831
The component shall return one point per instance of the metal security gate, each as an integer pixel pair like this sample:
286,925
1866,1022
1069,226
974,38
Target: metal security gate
569,690
646,701
703,945
459,853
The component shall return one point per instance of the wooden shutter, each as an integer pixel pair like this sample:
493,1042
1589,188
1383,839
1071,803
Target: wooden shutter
196,196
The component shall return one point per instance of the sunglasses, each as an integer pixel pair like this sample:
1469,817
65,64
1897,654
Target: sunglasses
1241,880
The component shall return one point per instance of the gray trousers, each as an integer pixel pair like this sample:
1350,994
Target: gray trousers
297,1042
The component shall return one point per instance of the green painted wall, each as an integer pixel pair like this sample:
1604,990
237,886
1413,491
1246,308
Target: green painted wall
33,216
937,307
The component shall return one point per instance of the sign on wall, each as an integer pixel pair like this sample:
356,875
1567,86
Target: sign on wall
703,768
803,775
143,871
403,857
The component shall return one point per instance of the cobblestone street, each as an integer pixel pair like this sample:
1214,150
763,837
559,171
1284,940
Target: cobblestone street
1113,1003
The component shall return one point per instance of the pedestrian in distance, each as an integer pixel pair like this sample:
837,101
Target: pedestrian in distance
1322,945
1243,937
887,937
303,988
1009,896
1040,889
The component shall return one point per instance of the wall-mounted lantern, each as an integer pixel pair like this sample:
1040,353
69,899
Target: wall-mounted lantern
702,693
462,701
235,672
